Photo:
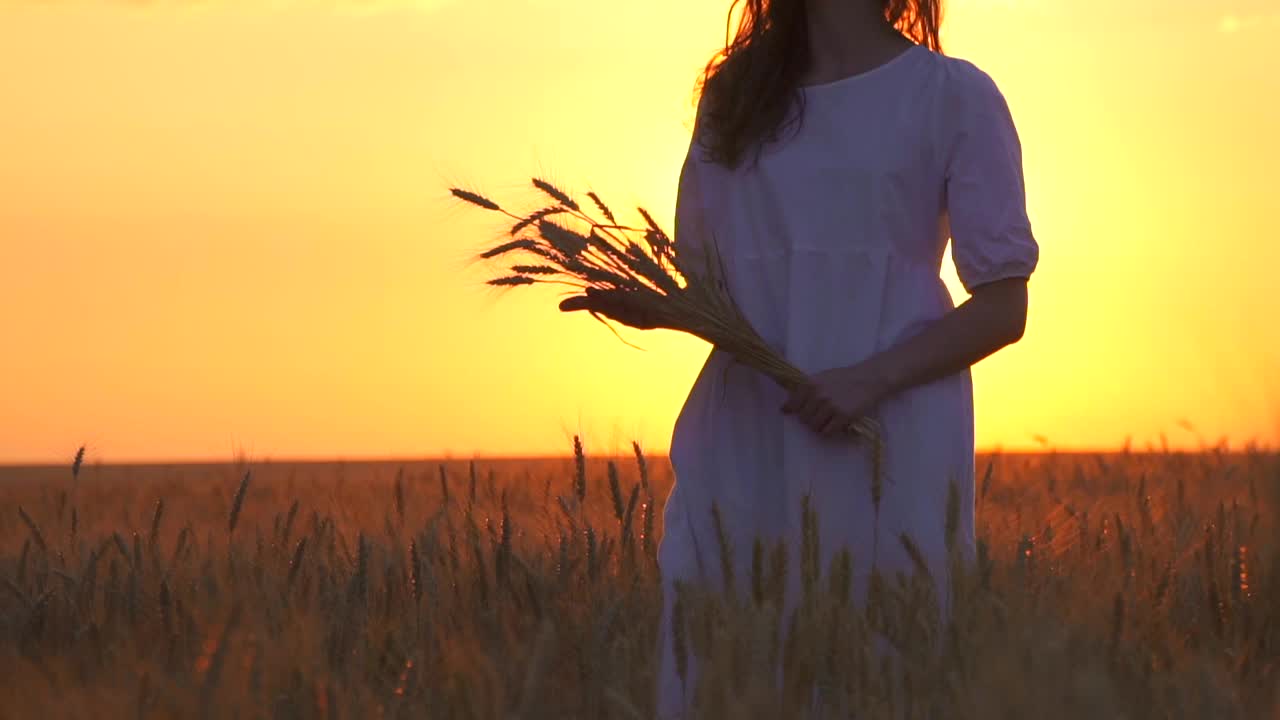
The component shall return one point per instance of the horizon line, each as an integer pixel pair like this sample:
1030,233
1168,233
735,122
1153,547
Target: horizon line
406,459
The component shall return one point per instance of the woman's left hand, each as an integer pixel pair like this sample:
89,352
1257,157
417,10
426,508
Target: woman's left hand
621,305
833,399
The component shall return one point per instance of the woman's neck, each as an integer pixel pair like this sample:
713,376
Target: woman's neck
848,37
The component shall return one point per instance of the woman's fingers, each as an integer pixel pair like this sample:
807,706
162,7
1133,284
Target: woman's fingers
797,398
631,311
593,300
818,414
814,407
809,406
577,302
816,411
836,426
617,304
803,401
624,307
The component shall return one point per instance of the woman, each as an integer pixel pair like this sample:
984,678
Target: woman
832,237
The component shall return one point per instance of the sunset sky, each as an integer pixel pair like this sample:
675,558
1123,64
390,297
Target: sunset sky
225,225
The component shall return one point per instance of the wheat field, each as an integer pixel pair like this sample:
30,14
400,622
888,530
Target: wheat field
1120,585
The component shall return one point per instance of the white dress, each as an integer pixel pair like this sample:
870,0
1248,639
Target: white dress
832,246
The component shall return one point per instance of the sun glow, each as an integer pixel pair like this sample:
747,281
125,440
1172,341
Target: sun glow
227,226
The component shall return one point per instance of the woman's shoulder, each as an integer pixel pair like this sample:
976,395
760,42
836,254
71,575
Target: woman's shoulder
961,76
961,92
963,82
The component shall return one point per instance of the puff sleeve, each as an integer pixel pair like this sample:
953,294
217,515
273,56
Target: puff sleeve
991,237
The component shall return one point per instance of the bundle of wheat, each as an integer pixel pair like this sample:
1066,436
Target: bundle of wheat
675,291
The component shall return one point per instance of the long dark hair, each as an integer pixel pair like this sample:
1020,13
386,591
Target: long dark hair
747,88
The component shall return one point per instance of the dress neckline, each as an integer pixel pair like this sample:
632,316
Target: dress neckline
850,79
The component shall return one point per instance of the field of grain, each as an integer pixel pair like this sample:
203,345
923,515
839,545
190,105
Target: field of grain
1125,585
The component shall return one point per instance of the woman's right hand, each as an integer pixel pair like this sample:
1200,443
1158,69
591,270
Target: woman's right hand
619,305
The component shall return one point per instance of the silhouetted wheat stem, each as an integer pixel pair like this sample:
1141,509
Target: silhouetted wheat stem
680,297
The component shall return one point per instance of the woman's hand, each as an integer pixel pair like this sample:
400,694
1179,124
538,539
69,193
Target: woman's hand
620,305
833,399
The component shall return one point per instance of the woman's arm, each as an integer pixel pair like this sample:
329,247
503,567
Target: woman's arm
993,317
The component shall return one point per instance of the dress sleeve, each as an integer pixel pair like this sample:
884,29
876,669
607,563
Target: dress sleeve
991,237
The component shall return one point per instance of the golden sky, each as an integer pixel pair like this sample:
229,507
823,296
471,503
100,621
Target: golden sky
225,224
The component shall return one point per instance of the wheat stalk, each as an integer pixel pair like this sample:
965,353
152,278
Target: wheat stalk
678,295
237,502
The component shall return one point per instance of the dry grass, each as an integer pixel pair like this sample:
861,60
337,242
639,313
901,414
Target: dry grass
1126,585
